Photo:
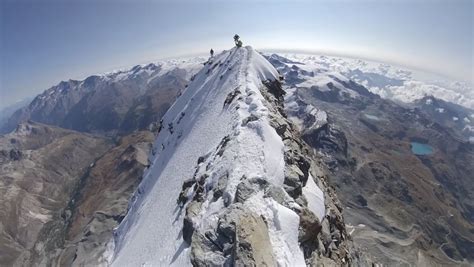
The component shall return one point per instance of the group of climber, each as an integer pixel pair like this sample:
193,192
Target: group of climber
237,42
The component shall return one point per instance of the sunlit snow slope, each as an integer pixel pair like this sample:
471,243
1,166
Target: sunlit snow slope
197,124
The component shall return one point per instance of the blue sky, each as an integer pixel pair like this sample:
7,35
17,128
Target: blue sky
44,42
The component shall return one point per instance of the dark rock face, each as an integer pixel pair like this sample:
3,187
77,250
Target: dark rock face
192,211
327,138
15,154
12,155
274,88
232,95
241,237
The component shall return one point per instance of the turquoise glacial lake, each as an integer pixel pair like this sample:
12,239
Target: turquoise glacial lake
421,149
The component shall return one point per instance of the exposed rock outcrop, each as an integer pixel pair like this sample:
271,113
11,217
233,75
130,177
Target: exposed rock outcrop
241,236
241,239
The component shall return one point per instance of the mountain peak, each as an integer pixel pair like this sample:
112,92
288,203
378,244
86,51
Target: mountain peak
219,160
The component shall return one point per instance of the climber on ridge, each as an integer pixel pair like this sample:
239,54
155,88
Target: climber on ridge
212,52
237,41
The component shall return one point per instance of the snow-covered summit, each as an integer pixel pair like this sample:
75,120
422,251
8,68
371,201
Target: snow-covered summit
218,162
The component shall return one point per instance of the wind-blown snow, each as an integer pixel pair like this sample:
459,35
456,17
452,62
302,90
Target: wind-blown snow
193,127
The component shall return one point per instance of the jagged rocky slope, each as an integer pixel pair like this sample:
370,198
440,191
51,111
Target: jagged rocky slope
403,209
232,182
118,102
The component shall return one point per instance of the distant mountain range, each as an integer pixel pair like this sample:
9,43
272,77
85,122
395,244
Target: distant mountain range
391,82
242,159
118,102
127,94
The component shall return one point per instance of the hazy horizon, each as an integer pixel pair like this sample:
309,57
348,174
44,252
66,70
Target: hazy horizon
42,44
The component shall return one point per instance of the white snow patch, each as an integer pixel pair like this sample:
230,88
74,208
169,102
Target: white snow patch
41,217
468,128
315,198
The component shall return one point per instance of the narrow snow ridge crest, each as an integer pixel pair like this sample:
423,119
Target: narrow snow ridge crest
216,136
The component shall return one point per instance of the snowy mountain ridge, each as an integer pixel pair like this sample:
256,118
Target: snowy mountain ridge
344,80
112,102
146,72
392,82
221,166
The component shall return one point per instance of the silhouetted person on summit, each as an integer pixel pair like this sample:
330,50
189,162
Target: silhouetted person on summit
212,52
237,41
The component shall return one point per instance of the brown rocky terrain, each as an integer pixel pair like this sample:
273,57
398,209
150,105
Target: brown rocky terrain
40,167
401,208
63,192
102,201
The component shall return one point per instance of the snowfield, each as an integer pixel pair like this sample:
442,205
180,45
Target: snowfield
194,128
